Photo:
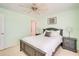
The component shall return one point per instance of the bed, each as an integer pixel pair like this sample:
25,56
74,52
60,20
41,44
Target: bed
41,45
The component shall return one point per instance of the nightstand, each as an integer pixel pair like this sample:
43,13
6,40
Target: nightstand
70,44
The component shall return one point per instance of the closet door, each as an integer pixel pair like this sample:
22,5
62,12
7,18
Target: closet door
2,41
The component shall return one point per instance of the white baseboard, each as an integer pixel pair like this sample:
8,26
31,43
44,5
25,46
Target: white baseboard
9,46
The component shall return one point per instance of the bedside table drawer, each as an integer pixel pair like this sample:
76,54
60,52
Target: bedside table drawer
66,44
69,43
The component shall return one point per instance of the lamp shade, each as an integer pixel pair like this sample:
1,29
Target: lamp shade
69,29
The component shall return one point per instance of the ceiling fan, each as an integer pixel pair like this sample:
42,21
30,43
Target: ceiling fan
35,8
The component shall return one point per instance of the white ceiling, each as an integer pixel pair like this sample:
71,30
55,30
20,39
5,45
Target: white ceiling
52,7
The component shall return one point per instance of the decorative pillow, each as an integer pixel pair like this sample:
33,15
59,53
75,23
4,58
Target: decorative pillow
51,33
48,34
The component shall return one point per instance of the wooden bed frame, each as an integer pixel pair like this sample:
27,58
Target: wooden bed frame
33,51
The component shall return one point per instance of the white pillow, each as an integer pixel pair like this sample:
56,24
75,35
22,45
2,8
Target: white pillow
55,33
45,32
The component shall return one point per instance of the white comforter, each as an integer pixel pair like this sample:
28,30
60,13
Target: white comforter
46,44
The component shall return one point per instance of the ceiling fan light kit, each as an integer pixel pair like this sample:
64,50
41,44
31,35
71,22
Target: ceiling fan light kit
36,8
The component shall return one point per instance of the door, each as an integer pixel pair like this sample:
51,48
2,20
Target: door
33,27
2,42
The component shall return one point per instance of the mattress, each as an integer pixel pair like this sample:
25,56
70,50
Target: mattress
46,44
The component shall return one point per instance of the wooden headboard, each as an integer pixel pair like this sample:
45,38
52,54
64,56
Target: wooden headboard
54,29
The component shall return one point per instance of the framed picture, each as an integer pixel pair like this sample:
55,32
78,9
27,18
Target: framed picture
52,20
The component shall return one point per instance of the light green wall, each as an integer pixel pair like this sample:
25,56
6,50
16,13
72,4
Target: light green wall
68,18
17,25
77,26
